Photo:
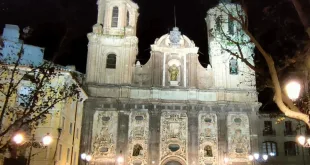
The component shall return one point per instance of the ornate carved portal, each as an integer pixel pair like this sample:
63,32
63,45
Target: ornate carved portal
173,136
208,139
238,137
104,136
138,137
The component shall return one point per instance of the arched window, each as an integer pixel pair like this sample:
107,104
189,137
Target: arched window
128,19
111,61
291,148
114,17
270,148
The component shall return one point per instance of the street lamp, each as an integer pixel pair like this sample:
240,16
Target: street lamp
86,157
19,139
256,157
293,90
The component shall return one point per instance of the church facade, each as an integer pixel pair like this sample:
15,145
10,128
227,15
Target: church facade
170,110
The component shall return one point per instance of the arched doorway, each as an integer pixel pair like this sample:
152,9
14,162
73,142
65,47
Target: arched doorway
173,160
173,163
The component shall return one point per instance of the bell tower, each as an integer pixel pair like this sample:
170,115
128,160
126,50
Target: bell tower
229,71
113,44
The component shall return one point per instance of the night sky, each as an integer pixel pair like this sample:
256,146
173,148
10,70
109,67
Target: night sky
275,24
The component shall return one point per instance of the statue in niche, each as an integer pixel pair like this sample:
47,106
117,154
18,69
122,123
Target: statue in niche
137,150
239,141
208,132
208,151
174,71
233,66
174,130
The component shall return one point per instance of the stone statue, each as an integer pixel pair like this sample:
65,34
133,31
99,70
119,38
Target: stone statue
174,71
233,66
174,130
208,151
137,150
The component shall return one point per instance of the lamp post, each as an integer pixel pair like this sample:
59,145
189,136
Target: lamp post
293,89
86,157
20,140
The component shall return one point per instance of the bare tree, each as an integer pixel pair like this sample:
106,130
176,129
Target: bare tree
234,45
28,94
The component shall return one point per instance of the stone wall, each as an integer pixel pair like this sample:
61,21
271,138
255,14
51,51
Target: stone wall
157,132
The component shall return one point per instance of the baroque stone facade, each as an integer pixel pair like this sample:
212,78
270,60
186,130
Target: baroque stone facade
170,110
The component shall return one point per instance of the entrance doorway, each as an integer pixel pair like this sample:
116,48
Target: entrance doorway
173,163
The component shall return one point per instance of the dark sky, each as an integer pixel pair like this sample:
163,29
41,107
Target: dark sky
51,19
274,23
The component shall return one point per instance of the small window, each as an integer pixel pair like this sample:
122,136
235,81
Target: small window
174,147
237,120
208,120
128,19
105,118
24,95
218,23
231,27
60,150
70,130
291,148
114,17
63,123
77,133
68,154
139,118
270,148
233,66
111,61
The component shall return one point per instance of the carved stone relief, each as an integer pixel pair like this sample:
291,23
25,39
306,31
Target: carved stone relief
104,135
208,139
173,135
238,136
138,137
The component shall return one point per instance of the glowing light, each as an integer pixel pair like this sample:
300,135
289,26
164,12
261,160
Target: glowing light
256,156
120,159
226,160
83,156
18,138
293,90
47,139
88,158
265,157
272,154
251,157
301,140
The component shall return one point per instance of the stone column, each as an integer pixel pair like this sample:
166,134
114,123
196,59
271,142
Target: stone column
254,128
87,127
154,140
222,135
193,145
122,135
